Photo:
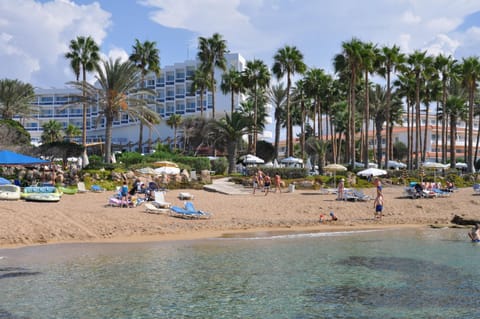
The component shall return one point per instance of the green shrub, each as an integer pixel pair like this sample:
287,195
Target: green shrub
220,165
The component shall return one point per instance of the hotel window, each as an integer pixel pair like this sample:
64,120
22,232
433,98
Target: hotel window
191,106
161,80
170,93
170,77
61,99
46,113
190,72
188,89
161,109
45,100
180,107
150,83
180,73
170,109
179,91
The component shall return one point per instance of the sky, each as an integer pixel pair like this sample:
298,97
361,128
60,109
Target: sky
35,34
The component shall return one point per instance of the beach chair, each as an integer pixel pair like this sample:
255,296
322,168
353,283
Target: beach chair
97,189
152,209
159,200
476,188
188,212
81,187
185,196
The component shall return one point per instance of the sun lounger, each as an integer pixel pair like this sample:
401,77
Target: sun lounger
97,189
441,193
185,196
188,212
355,195
159,200
81,187
150,208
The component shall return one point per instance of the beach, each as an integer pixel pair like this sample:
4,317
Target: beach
87,217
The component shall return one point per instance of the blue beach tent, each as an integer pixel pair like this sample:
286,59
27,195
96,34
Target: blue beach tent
9,158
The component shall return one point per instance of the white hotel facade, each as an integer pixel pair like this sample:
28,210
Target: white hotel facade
173,96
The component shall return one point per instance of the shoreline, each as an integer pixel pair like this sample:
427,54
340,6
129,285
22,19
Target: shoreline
85,218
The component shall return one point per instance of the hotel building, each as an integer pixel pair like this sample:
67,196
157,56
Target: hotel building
173,96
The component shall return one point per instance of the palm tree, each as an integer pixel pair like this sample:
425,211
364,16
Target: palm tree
117,92
72,131
146,57
84,56
390,60
52,132
200,83
278,97
369,54
470,70
16,98
455,107
256,77
446,66
348,65
230,130
174,122
288,61
211,53
316,83
232,83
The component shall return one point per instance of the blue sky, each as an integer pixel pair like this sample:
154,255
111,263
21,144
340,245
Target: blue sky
34,34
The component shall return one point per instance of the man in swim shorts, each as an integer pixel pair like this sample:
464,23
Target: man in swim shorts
378,205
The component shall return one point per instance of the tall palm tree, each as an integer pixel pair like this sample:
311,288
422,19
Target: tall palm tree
455,107
174,122
230,131
417,64
16,98
287,62
147,58
316,86
256,77
348,65
52,132
446,66
470,70
84,56
117,92
211,53
278,98
200,83
390,60
232,83
369,56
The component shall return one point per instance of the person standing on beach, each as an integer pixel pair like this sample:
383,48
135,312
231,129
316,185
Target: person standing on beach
255,182
266,184
278,182
378,205
474,234
341,189
124,194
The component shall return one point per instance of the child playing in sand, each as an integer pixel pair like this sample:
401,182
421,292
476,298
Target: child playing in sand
378,205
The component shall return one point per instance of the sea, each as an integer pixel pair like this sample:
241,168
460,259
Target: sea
399,273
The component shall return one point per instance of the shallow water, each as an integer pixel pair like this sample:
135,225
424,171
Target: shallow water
372,274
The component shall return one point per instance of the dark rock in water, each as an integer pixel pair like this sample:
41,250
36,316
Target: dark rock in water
19,274
462,221
11,269
7,315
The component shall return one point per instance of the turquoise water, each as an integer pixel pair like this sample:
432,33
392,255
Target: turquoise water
373,274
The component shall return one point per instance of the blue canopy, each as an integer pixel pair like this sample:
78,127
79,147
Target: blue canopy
12,158
4,181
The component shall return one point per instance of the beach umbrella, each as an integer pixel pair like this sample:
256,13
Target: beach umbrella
434,166
335,168
308,165
372,172
167,170
275,163
165,164
251,159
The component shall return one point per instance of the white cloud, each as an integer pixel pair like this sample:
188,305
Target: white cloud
409,18
35,37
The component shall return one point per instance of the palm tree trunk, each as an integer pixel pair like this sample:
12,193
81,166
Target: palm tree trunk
367,120
108,138
425,133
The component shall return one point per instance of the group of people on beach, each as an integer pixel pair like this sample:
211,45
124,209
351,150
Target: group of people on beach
263,181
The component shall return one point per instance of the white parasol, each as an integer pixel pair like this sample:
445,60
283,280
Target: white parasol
372,172
335,168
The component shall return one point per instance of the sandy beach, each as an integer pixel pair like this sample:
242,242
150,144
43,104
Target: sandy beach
87,218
